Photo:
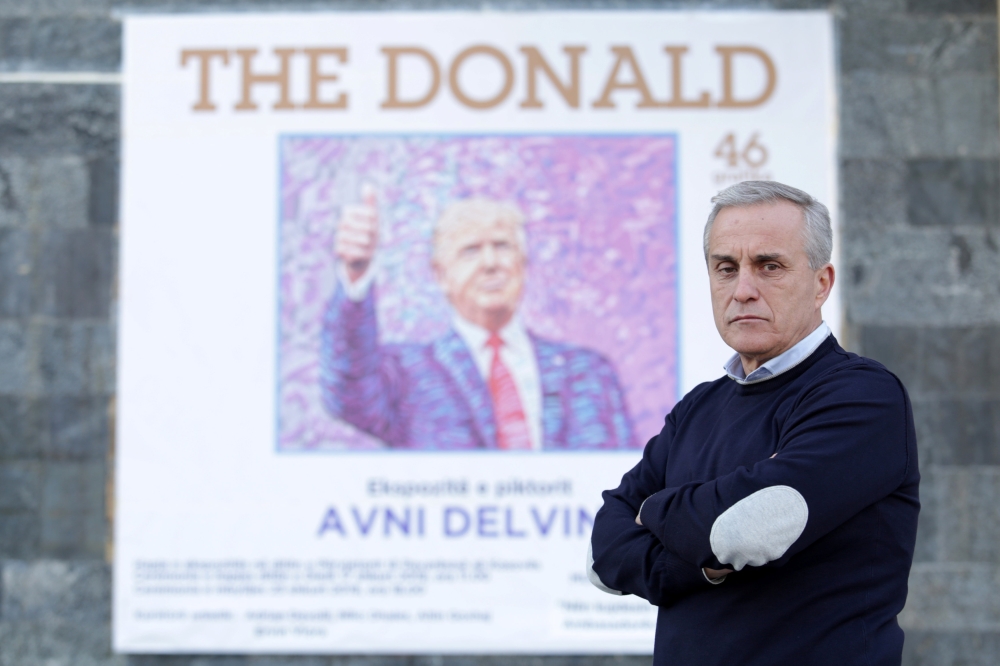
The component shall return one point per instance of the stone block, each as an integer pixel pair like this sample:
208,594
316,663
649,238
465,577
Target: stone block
218,660
46,590
885,115
16,41
76,271
929,547
961,359
953,192
871,7
60,43
274,660
15,185
76,358
57,644
79,428
158,660
62,191
73,511
987,7
15,272
15,358
960,514
40,8
23,433
20,485
57,428
923,277
49,119
969,107
793,4
917,45
892,115
955,597
872,193
102,210
898,348
56,613
957,431
18,537
947,648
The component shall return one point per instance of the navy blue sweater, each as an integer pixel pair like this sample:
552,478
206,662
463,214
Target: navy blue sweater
822,533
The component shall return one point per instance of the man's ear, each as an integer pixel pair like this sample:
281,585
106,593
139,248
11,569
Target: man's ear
439,273
825,277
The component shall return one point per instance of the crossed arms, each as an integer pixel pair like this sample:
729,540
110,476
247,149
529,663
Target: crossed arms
843,447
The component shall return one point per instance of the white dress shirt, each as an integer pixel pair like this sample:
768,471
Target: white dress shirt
782,362
517,353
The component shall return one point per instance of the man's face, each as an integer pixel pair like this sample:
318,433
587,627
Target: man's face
480,266
765,297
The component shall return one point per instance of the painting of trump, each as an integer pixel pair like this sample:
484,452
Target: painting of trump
487,383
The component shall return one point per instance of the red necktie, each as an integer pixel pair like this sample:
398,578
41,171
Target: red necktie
512,427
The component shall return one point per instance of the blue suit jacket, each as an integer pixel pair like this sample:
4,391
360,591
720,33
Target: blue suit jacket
431,396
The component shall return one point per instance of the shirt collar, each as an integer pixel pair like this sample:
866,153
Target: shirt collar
514,335
782,362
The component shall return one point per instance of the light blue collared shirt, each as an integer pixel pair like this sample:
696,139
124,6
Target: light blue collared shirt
782,362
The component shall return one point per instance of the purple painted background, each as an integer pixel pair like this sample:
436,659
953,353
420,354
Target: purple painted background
601,224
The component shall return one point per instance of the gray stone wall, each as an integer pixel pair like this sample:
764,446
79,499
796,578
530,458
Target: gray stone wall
920,223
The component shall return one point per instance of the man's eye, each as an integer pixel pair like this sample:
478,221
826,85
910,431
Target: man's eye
469,251
771,267
727,269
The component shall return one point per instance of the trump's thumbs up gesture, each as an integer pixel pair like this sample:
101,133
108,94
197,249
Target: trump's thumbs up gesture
357,234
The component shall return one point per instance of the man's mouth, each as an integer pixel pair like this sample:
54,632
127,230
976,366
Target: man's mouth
746,318
493,284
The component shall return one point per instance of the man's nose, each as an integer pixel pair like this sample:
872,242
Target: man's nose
746,286
489,256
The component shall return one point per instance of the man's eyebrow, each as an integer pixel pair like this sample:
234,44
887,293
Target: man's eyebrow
773,256
723,257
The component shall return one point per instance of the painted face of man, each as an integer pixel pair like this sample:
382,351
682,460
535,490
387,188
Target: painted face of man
765,296
480,265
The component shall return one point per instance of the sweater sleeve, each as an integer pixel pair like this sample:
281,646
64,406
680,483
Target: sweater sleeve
626,557
846,445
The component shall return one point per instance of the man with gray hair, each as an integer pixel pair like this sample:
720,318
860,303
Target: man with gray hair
489,383
773,519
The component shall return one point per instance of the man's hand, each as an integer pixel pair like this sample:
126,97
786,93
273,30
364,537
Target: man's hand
711,573
717,573
357,234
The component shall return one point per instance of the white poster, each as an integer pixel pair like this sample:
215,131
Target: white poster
402,293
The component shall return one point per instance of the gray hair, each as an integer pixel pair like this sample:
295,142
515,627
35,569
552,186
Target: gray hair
817,229
482,211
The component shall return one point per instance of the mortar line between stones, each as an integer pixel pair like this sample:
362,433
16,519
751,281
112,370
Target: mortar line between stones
70,78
